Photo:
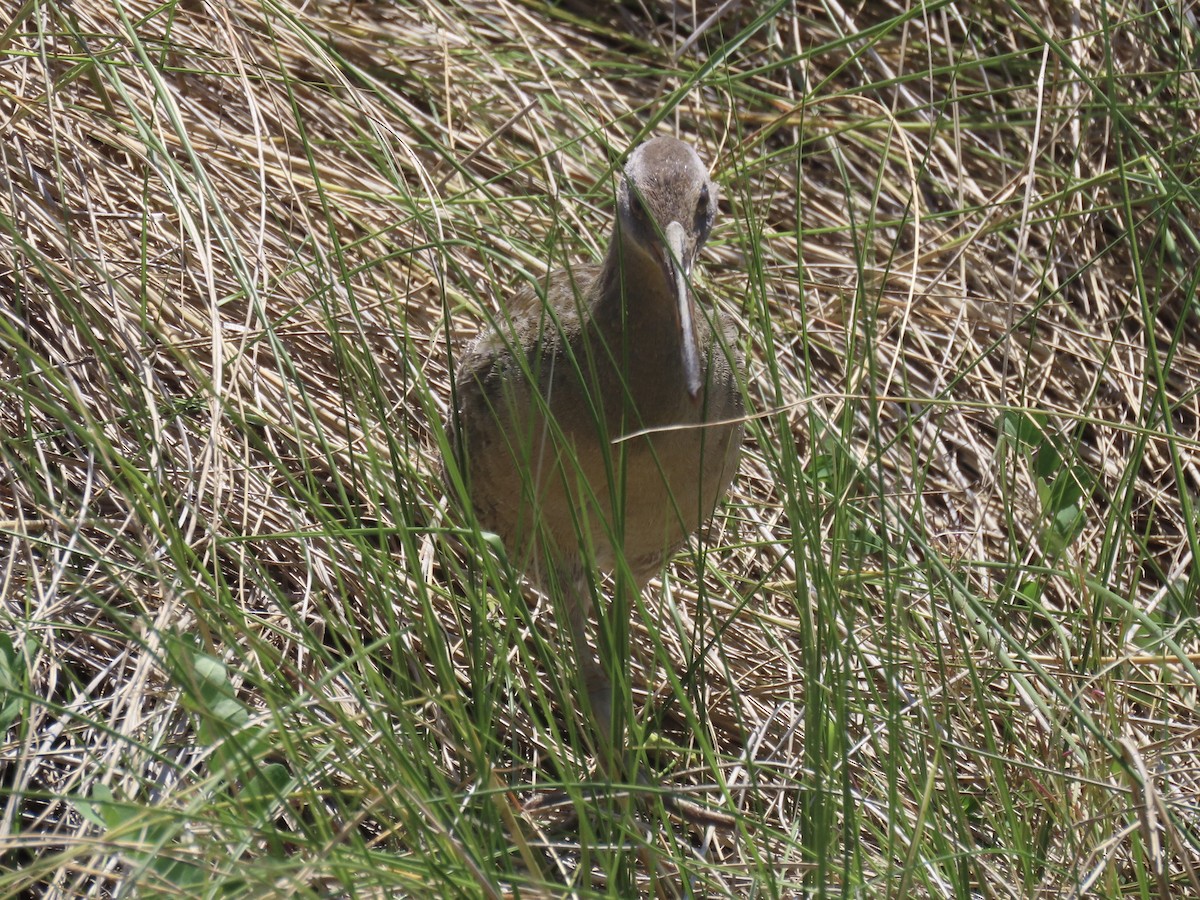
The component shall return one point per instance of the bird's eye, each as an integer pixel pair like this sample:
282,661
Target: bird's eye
703,213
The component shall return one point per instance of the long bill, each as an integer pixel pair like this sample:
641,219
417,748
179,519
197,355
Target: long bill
685,307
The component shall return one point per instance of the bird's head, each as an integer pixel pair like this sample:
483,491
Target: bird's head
665,207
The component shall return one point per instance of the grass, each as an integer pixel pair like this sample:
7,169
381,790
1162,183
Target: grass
941,641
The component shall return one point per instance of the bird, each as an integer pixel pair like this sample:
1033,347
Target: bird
598,422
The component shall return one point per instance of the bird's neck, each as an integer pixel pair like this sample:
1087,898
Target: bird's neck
635,292
635,322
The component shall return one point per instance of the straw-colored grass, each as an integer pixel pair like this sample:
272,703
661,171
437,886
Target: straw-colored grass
941,640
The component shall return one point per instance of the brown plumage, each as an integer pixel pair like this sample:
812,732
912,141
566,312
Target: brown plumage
611,351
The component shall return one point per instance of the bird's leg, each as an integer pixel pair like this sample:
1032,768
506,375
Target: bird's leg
575,593
594,678
572,597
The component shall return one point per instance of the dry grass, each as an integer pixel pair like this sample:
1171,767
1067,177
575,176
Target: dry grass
945,640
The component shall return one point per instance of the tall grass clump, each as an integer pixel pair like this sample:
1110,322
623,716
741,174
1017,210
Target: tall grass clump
942,639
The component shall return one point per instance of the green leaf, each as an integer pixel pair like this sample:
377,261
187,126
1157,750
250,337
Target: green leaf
13,682
264,790
101,809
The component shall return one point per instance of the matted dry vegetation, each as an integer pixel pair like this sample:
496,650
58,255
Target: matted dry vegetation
945,641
